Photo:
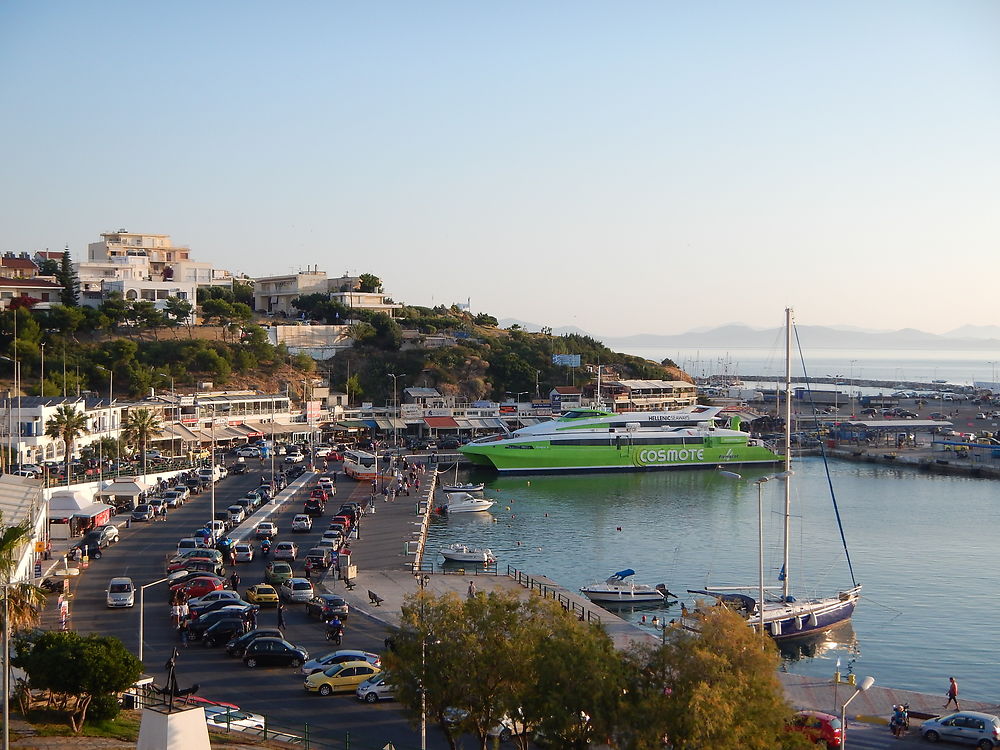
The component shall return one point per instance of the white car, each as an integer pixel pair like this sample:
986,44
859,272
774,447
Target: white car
248,451
286,551
243,552
376,688
302,522
225,717
236,513
121,592
173,499
327,485
214,596
266,530
296,590
189,543
295,458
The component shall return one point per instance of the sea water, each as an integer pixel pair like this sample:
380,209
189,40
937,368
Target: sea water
922,545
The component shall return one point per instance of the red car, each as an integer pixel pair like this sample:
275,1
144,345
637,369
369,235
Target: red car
818,727
319,492
198,587
345,520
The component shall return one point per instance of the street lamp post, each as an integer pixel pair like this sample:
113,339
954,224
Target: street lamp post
395,406
866,683
142,610
422,581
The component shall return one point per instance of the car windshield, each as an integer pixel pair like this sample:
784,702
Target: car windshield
301,586
334,670
120,588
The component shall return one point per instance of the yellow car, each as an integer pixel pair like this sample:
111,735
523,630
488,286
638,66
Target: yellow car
343,677
262,594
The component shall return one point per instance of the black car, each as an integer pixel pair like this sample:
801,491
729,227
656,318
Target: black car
238,645
295,471
274,652
325,606
194,486
223,631
450,443
197,627
313,507
99,538
239,469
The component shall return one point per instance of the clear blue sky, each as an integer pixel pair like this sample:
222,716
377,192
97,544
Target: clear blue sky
624,167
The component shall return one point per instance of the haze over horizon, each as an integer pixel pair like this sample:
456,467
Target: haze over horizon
639,168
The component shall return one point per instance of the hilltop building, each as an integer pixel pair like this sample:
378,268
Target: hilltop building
274,294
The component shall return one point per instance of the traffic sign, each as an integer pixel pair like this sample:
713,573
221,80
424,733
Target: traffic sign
38,570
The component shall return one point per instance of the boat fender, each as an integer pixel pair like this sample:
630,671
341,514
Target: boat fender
619,528
529,482
508,507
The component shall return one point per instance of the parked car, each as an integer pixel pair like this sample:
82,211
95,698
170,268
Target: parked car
342,677
285,551
449,443
102,536
142,512
336,657
237,513
239,469
296,590
173,498
227,718
198,586
302,523
376,688
237,645
120,592
214,596
223,630
818,727
319,558
319,493
248,451
325,606
263,595
191,542
971,727
274,652
198,626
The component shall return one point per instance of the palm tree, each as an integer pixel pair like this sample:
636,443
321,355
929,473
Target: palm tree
67,425
139,426
23,601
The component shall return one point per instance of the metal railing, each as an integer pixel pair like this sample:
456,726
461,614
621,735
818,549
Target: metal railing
547,591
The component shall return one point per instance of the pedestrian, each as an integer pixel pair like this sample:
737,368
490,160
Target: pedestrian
281,616
234,581
953,694
472,590
175,614
252,619
182,632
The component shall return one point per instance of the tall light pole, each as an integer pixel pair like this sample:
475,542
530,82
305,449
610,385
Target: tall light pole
866,683
142,610
395,406
422,581
41,383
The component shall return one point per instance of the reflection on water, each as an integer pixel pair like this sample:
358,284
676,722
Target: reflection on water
834,641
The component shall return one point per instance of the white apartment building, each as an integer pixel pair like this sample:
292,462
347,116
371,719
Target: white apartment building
23,421
274,294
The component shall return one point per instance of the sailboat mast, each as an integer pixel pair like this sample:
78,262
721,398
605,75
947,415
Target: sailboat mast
788,449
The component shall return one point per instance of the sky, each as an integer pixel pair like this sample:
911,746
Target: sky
635,167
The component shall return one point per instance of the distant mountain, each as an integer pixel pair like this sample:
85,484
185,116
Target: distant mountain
738,336
975,332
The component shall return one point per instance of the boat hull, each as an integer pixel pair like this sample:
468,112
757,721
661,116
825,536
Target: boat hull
623,597
823,616
544,456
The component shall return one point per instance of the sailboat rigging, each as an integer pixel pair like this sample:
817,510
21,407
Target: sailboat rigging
786,617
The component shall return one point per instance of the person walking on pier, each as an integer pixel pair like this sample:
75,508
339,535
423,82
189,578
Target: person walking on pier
953,694
472,590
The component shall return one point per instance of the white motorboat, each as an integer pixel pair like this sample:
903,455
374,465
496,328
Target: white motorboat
465,553
464,487
618,590
463,502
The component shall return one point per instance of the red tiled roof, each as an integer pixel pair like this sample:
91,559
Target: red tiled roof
49,255
438,422
567,390
17,263
29,284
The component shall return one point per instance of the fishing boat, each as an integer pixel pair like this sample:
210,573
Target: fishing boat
617,589
463,502
467,554
600,440
469,487
774,609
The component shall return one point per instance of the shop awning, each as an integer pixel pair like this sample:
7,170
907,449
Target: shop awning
439,423
464,424
383,423
179,432
352,424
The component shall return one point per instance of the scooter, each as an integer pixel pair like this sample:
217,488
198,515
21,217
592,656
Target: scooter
265,548
335,633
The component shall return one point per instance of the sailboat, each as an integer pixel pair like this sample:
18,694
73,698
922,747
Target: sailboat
784,616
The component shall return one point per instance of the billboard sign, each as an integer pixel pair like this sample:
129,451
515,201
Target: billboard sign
568,360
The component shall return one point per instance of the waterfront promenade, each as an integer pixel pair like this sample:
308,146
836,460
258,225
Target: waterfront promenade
384,556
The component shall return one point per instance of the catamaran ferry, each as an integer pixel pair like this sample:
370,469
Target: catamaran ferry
596,440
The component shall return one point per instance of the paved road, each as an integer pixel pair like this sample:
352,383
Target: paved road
277,692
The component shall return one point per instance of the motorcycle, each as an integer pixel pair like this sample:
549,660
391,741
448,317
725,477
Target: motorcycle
265,548
335,633
900,721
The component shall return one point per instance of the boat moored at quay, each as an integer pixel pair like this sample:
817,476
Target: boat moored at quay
598,440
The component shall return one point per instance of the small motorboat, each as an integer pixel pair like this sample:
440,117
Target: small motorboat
617,590
463,502
465,553
464,487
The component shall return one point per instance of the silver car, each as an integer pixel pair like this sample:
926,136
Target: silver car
121,592
375,689
970,727
296,590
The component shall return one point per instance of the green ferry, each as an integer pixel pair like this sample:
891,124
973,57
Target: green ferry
597,440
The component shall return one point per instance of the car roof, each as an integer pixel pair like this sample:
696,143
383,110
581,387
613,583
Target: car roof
347,664
120,579
817,714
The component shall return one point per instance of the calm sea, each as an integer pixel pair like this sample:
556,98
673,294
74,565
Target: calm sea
917,365
923,546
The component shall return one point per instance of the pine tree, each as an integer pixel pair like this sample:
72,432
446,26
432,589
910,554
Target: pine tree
70,294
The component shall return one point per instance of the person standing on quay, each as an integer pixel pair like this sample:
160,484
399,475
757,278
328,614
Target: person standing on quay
953,693
281,616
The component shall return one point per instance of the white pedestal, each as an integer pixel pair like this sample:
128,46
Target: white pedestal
183,729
